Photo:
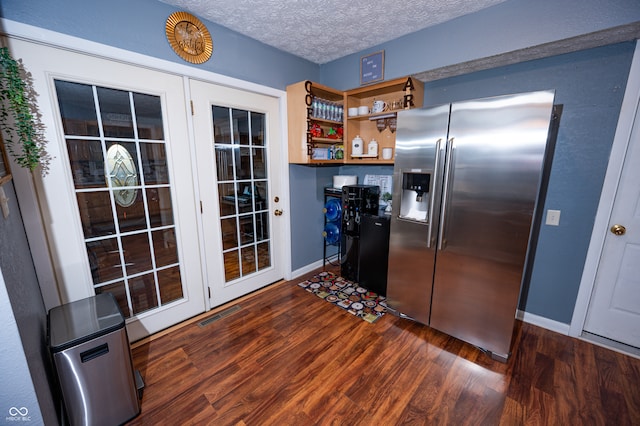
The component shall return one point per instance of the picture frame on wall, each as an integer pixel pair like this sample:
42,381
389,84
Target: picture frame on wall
372,68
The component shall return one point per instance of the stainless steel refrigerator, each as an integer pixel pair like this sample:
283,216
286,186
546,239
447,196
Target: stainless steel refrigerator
466,182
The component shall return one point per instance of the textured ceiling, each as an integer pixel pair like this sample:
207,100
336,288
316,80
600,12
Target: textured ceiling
324,30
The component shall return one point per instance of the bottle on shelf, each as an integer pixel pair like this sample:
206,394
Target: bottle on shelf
327,110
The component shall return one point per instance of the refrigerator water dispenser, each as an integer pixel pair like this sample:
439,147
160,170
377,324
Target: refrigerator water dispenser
415,195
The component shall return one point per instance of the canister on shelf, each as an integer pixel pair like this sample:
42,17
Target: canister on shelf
356,146
372,148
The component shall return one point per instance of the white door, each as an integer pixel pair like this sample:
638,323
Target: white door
119,199
614,310
239,154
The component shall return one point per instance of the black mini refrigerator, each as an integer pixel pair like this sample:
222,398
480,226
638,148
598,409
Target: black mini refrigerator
357,200
90,348
374,253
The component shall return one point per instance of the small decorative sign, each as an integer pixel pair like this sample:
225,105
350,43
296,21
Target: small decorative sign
372,68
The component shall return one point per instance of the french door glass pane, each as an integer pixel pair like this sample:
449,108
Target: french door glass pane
242,182
115,112
221,125
118,160
154,163
95,214
164,247
257,129
77,108
170,287
143,293
87,163
148,110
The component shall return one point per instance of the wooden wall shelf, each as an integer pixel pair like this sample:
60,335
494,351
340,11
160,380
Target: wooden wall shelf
403,93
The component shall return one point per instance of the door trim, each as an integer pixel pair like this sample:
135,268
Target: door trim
27,189
628,113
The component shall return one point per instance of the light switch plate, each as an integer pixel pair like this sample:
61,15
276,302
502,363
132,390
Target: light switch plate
553,217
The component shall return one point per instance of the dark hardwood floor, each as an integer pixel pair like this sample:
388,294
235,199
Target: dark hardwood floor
287,357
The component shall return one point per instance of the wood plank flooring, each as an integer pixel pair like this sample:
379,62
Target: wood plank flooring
289,358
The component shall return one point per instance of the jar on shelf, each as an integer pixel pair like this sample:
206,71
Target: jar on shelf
356,146
372,148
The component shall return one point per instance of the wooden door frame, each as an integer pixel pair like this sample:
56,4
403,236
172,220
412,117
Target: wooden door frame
628,113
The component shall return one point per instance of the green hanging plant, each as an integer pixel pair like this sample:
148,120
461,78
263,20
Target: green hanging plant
19,115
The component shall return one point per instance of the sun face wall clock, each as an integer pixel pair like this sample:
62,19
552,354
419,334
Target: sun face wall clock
189,38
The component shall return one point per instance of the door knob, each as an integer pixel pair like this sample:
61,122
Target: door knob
618,229
278,212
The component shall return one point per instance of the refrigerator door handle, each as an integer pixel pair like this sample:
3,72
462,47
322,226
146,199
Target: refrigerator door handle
445,193
436,170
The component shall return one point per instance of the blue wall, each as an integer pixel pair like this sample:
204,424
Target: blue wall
307,199
505,27
139,26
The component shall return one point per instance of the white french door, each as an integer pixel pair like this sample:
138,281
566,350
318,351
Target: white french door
119,198
239,155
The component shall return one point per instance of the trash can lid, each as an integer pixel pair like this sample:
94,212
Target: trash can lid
77,322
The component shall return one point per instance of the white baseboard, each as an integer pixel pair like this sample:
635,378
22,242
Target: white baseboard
306,269
543,322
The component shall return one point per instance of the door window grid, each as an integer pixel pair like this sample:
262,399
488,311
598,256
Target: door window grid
149,286
247,249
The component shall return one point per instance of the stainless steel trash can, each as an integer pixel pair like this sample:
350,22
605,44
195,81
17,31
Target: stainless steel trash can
90,348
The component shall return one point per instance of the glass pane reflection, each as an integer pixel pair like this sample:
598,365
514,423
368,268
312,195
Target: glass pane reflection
248,260
165,247
170,285
148,116
77,109
259,163
143,293
154,163
262,226
119,292
131,217
104,260
87,163
262,196
137,254
221,125
247,235
115,112
224,161
227,201
229,233
96,214
243,167
264,256
160,207
231,265
241,127
257,129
